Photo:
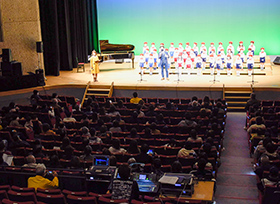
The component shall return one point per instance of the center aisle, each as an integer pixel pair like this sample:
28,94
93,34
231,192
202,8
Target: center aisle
236,181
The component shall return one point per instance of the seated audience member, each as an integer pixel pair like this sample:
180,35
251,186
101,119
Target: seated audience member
201,173
116,127
17,142
47,129
87,156
135,98
35,98
194,100
160,119
76,110
68,152
75,163
144,157
112,160
37,151
271,152
15,122
147,133
206,99
252,101
172,143
257,133
176,167
273,179
120,105
202,114
154,128
39,181
221,111
139,111
193,137
65,143
119,119
113,112
115,148
156,168
2,162
54,162
124,188
93,138
55,98
69,117
133,133
264,165
259,124
133,147
187,151
85,132
151,111
260,149
187,121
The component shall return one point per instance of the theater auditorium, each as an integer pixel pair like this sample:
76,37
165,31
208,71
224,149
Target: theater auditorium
120,101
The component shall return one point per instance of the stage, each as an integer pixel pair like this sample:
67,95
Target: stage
124,77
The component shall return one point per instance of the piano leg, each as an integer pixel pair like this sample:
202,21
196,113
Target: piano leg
132,60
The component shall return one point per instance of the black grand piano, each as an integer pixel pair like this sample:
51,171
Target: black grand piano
116,51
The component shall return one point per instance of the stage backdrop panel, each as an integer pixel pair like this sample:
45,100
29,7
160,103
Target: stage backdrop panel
137,21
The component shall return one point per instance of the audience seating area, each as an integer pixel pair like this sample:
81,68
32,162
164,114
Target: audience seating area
95,114
260,135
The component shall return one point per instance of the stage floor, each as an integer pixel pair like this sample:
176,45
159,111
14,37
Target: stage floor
125,77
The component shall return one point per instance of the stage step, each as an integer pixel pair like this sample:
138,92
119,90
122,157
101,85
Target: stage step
105,91
236,99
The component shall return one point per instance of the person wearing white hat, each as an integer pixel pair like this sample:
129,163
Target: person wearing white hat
250,64
238,64
240,46
230,47
212,49
171,51
141,63
204,57
220,47
212,63
252,46
195,48
198,62
203,47
219,64
145,47
189,65
229,64
262,58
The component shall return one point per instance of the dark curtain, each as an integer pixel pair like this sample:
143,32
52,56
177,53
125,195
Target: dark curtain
69,33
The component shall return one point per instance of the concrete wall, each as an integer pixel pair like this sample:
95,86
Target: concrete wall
21,30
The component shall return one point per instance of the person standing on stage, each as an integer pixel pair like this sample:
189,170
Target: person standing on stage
189,65
198,62
242,55
240,46
147,55
219,64
195,48
212,63
250,52
171,51
193,56
151,63
180,48
238,64
155,55
145,47
185,56
152,47
94,65
203,47
262,58
250,64
141,63
252,46
188,48
163,57
220,47
229,64
212,49
179,66
230,47
176,54
204,57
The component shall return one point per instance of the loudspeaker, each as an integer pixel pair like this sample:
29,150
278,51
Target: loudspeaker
16,69
40,77
277,61
6,68
39,47
6,55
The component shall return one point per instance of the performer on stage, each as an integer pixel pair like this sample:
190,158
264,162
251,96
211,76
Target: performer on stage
189,65
242,55
164,64
230,47
203,47
171,51
262,58
155,55
240,46
147,55
180,48
250,52
188,48
179,66
220,47
145,47
252,46
195,48
94,65
176,54
151,63
219,64
250,64
204,57
223,58
185,56
212,63
193,56
238,64
229,65
141,63
198,62
153,47
212,49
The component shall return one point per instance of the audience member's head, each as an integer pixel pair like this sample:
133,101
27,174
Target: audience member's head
124,172
41,170
176,167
